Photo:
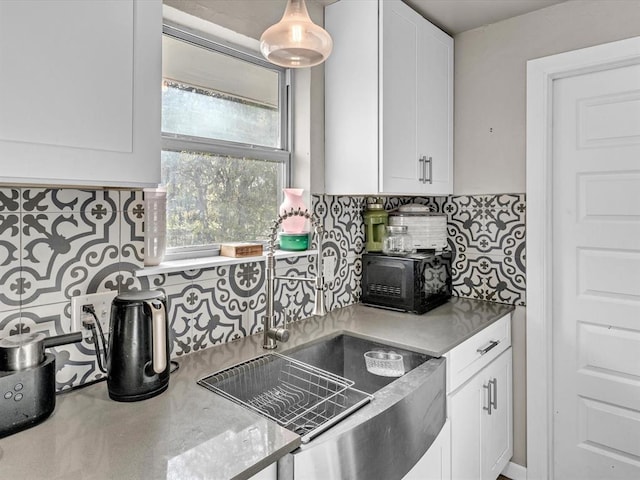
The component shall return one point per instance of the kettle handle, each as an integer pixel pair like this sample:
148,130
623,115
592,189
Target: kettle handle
159,336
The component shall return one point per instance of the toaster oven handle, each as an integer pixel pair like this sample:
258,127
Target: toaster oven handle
159,336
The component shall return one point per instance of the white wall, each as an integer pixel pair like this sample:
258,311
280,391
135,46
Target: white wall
490,66
489,135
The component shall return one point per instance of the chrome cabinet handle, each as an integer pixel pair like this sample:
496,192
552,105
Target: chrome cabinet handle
487,386
422,160
430,179
492,344
494,397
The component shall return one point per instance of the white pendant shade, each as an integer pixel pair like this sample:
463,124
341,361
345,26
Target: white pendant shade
295,41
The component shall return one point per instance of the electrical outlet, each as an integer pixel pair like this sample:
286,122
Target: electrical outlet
329,268
101,303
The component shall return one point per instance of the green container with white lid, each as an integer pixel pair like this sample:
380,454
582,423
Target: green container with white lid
376,219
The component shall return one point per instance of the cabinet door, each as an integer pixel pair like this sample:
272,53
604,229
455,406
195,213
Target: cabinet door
435,108
465,414
80,92
399,167
417,103
497,428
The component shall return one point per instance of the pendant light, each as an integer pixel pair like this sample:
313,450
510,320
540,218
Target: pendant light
295,41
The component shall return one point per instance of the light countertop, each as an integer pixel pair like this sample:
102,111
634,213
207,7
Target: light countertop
190,432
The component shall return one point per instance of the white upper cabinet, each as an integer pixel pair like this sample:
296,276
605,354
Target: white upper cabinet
388,101
80,92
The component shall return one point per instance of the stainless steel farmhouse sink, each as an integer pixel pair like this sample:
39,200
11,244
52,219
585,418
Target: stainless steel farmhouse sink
385,438
359,416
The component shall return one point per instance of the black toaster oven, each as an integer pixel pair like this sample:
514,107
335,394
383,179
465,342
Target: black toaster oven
414,283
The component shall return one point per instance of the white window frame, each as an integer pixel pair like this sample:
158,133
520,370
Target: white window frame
177,142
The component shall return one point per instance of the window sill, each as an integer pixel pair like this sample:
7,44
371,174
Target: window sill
212,262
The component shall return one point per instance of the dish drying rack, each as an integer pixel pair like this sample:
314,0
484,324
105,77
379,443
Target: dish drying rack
302,398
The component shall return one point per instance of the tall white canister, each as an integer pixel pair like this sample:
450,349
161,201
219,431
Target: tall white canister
155,225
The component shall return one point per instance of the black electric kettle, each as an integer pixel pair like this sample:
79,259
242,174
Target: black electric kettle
138,359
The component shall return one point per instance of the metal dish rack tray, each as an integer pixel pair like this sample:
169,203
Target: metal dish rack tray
298,396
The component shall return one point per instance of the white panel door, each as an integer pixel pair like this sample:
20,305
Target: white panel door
596,275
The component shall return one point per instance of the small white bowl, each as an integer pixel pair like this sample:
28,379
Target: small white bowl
384,364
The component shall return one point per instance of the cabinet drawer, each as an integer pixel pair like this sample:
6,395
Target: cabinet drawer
473,354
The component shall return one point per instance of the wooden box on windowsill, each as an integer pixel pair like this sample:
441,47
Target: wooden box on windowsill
241,249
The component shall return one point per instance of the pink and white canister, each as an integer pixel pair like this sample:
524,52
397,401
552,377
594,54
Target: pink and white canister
293,200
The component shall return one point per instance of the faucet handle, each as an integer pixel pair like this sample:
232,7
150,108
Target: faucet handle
283,333
280,334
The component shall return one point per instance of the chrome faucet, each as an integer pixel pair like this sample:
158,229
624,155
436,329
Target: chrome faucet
271,332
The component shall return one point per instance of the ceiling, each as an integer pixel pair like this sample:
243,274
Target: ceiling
455,16
252,17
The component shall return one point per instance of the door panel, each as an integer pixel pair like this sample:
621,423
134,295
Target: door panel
596,277
597,120
620,189
609,273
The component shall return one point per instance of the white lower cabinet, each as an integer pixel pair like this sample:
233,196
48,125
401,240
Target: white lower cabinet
482,423
435,464
267,473
476,442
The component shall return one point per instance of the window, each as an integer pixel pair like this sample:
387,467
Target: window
225,142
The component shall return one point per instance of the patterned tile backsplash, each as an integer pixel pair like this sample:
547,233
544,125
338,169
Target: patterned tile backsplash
487,236
57,243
